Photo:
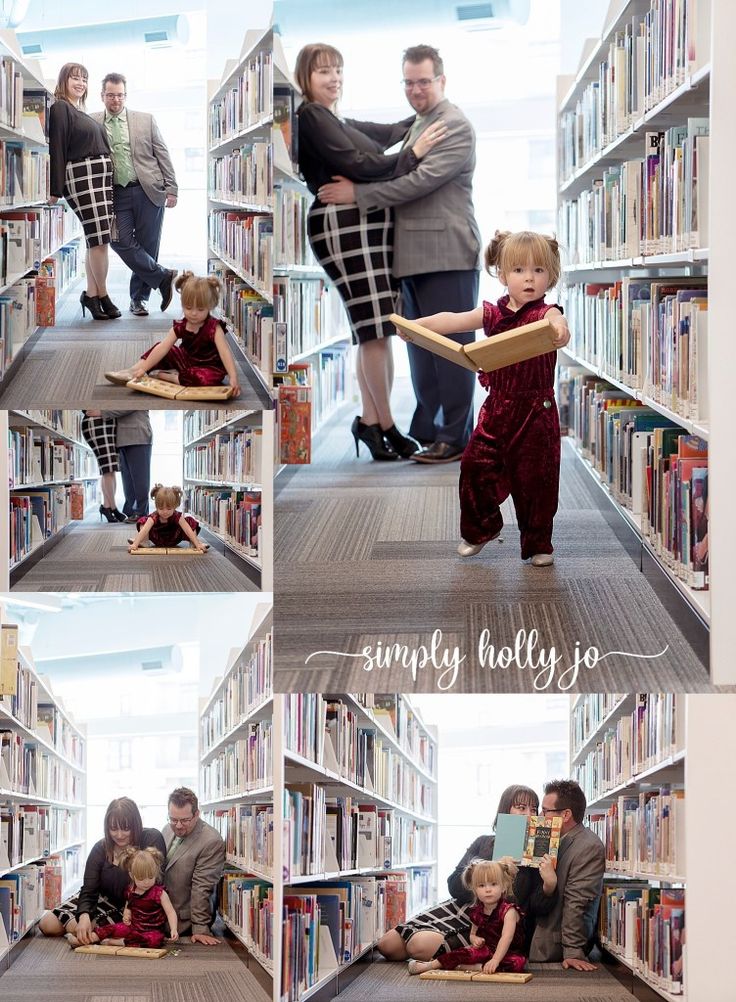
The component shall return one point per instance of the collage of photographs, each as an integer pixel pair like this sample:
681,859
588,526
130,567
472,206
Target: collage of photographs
367,596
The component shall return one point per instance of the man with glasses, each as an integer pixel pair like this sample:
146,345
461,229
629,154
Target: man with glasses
436,248
567,931
143,185
195,859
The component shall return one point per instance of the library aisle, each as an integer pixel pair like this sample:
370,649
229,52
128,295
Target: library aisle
68,751
381,539
64,365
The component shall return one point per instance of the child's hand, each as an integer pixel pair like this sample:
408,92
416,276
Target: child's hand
490,967
200,546
133,548
127,918
477,941
562,332
235,387
138,370
174,934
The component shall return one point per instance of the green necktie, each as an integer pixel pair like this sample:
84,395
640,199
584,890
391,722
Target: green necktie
121,156
175,843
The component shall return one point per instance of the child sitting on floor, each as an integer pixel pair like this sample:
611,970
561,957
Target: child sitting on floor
147,905
167,526
204,357
496,933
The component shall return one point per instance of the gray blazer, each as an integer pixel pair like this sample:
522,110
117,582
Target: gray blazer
150,156
192,874
133,428
434,222
564,933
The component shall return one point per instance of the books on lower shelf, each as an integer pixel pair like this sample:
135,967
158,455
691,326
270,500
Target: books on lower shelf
644,834
31,831
250,316
247,830
247,906
246,239
27,892
234,515
243,175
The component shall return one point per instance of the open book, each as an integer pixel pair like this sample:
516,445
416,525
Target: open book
487,355
162,388
526,839
508,978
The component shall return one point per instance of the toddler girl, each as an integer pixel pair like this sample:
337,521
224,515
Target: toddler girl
496,934
147,905
204,357
167,526
515,447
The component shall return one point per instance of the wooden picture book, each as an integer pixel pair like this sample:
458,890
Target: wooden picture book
123,951
162,388
168,551
490,353
526,839
499,977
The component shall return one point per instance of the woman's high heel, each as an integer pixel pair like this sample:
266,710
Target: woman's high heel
109,308
401,444
108,513
372,436
119,517
92,303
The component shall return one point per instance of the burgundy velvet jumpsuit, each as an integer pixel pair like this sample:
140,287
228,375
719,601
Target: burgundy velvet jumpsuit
490,928
197,359
147,920
515,447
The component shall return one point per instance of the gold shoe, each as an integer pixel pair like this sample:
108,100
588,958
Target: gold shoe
120,378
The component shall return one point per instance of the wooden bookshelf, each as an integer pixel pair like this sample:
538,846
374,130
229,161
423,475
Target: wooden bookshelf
240,198
683,243
676,730
58,433
302,754
229,454
32,716
310,320
241,707
44,233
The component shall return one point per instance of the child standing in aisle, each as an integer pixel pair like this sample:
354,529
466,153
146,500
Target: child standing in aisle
515,447
204,357
147,905
496,934
167,526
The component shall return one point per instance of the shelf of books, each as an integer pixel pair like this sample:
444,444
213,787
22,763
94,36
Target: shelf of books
240,198
42,796
311,335
39,251
641,760
228,478
644,152
49,476
355,803
237,788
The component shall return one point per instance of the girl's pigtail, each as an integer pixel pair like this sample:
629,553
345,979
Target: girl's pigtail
182,280
154,490
493,250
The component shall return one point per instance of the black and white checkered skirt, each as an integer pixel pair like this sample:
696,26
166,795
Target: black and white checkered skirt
449,919
88,190
101,436
356,250
105,913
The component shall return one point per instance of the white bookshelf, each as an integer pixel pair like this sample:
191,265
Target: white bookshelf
225,717
247,123
298,339
53,240
53,426
704,88
65,752
203,431
686,762
291,767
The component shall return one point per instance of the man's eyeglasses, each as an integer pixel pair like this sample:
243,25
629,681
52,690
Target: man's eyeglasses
114,97
422,84
180,821
552,810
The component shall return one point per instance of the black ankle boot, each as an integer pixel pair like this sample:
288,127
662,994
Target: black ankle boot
109,308
107,513
92,303
372,436
119,517
401,444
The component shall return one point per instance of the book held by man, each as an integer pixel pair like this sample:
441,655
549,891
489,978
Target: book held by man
488,354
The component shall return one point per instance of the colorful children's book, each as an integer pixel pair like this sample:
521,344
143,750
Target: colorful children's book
490,353
526,839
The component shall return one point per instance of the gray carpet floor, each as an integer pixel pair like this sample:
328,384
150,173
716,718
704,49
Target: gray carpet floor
93,556
49,969
64,365
390,982
365,557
